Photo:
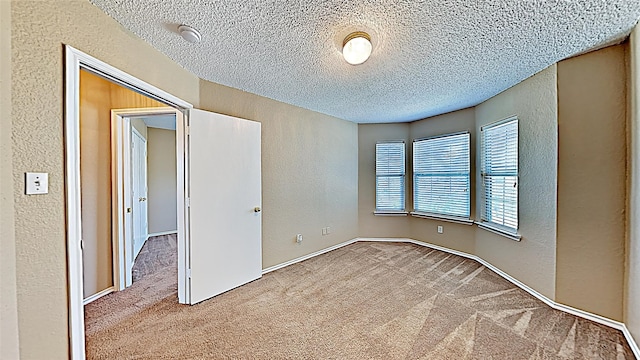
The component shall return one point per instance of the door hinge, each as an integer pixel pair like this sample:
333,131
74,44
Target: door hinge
187,202
189,273
187,130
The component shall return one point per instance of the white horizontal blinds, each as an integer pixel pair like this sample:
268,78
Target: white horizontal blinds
390,172
499,170
441,175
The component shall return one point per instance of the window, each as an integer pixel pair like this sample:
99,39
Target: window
441,175
390,170
499,171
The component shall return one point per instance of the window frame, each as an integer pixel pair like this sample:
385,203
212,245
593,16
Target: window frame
485,222
389,211
465,218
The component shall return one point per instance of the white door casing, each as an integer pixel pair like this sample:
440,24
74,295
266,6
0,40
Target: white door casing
225,195
139,191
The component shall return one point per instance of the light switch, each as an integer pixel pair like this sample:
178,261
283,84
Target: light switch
37,183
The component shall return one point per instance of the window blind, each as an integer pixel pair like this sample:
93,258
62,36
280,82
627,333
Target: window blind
441,175
390,173
499,170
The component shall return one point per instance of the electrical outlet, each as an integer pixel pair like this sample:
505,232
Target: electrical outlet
299,238
324,231
328,230
440,229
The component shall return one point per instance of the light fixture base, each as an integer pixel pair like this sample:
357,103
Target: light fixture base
190,34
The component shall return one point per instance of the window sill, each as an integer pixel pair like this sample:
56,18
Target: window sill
500,231
452,219
390,213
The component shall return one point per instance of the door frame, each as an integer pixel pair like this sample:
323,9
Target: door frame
121,130
75,61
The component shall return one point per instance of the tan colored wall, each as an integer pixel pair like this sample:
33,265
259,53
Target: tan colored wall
9,345
532,260
592,181
97,97
371,225
95,182
163,207
455,236
632,303
38,30
309,172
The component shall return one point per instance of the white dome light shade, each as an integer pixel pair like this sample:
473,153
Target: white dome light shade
356,48
190,34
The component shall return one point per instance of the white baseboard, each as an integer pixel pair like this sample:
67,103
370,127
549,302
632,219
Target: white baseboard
561,307
632,342
163,233
98,295
309,256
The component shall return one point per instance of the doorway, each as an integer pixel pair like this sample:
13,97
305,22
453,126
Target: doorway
219,202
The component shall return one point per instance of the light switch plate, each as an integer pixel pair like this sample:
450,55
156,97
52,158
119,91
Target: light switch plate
37,183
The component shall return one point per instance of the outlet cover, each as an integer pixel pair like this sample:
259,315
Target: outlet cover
440,229
299,238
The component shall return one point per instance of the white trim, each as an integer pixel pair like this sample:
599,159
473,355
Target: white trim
390,213
164,233
98,295
632,342
447,218
76,60
121,138
499,231
557,306
308,256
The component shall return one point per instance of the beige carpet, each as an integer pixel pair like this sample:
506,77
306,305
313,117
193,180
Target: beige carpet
363,301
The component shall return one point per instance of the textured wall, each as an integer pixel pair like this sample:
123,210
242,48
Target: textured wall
371,225
455,236
632,303
39,30
9,348
162,181
97,97
592,181
95,182
532,260
309,172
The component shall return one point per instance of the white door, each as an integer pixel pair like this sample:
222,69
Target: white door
225,192
139,190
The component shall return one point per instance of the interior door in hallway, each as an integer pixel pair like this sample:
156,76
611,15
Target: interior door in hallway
225,223
139,190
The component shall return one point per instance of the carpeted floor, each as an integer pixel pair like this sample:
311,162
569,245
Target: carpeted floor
363,301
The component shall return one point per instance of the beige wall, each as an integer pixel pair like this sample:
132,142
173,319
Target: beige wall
455,236
38,30
97,97
9,348
632,303
533,259
592,181
535,102
95,182
371,225
309,172
161,158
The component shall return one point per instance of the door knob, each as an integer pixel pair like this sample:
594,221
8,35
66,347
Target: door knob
257,209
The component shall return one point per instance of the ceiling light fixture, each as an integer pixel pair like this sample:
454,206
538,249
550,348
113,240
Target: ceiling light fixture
190,34
356,47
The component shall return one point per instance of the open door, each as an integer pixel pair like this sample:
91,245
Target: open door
224,199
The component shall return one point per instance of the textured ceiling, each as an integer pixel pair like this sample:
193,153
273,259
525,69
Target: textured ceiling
429,56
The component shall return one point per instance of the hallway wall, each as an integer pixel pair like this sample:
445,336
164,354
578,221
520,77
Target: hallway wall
97,97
